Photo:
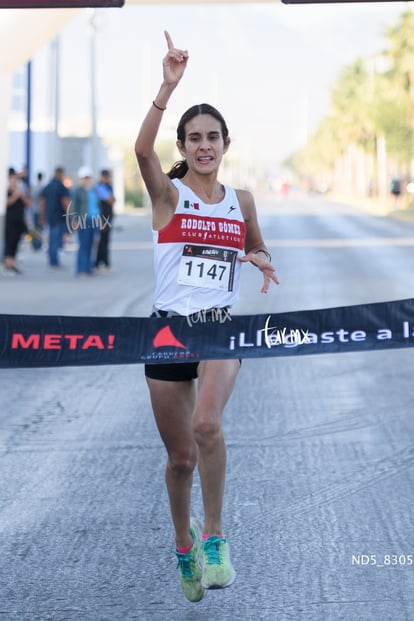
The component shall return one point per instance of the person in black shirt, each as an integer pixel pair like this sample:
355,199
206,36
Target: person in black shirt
54,205
15,222
106,203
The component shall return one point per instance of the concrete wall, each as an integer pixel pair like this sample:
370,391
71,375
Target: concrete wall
22,32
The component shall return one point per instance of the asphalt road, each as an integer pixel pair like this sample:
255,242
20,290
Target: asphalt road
319,500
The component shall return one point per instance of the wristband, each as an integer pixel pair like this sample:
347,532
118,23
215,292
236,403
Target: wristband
269,256
158,107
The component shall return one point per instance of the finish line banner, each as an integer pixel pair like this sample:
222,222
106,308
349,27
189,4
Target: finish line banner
55,341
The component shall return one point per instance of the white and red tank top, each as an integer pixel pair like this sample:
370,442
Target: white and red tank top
196,254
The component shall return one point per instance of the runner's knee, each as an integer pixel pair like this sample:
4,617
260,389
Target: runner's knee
206,431
183,462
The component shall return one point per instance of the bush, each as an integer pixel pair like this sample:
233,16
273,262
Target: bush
135,198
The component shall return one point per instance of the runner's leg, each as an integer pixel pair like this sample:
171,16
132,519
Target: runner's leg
173,405
216,383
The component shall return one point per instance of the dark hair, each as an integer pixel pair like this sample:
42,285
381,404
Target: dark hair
180,168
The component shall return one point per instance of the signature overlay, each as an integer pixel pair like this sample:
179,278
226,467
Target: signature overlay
79,222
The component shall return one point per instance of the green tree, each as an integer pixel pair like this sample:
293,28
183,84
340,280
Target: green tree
397,94
372,98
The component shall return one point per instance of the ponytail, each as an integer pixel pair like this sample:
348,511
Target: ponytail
178,170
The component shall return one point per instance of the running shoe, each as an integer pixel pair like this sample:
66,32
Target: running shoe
189,567
218,572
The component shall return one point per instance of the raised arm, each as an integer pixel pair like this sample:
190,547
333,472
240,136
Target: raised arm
156,181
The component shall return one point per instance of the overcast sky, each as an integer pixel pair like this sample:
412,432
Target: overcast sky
268,67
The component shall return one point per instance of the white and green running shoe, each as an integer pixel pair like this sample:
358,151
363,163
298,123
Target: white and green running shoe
189,567
218,572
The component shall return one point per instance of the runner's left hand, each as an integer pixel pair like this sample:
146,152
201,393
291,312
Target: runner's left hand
259,260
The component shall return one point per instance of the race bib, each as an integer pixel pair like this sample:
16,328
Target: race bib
207,266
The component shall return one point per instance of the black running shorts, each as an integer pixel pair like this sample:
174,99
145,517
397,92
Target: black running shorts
175,372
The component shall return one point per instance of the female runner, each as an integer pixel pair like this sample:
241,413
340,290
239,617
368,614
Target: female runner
196,219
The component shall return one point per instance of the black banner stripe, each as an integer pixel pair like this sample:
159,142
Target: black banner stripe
55,341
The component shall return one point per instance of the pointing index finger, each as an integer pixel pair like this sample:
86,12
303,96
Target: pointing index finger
169,40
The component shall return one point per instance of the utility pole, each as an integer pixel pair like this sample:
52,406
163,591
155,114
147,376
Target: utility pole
29,120
94,135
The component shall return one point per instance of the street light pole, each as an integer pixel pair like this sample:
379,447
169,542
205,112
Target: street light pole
54,105
94,135
29,121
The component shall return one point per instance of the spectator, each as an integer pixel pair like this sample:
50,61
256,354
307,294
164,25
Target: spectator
15,221
36,194
85,218
35,212
395,189
106,203
54,205
24,180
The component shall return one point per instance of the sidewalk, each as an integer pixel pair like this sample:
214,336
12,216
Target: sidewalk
374,206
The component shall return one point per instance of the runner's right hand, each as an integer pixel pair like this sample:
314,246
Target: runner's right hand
174,63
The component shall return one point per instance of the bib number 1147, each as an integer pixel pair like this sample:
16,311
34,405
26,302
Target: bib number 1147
206,266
